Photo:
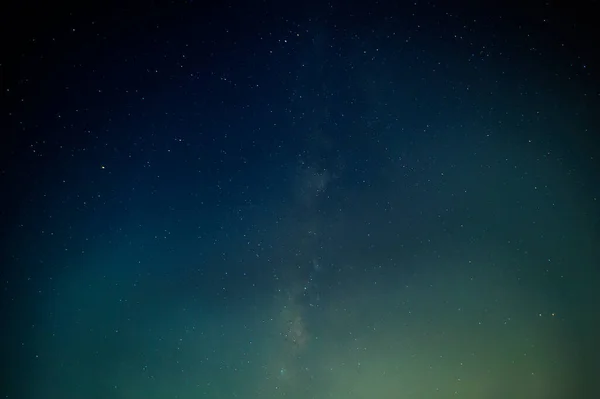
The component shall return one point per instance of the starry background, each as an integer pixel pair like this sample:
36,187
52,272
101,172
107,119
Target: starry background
314,200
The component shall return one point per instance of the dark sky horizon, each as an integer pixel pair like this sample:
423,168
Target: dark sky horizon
317,200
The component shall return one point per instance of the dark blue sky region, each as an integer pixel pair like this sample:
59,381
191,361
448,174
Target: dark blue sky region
271,200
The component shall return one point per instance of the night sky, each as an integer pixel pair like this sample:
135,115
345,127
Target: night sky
304,200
